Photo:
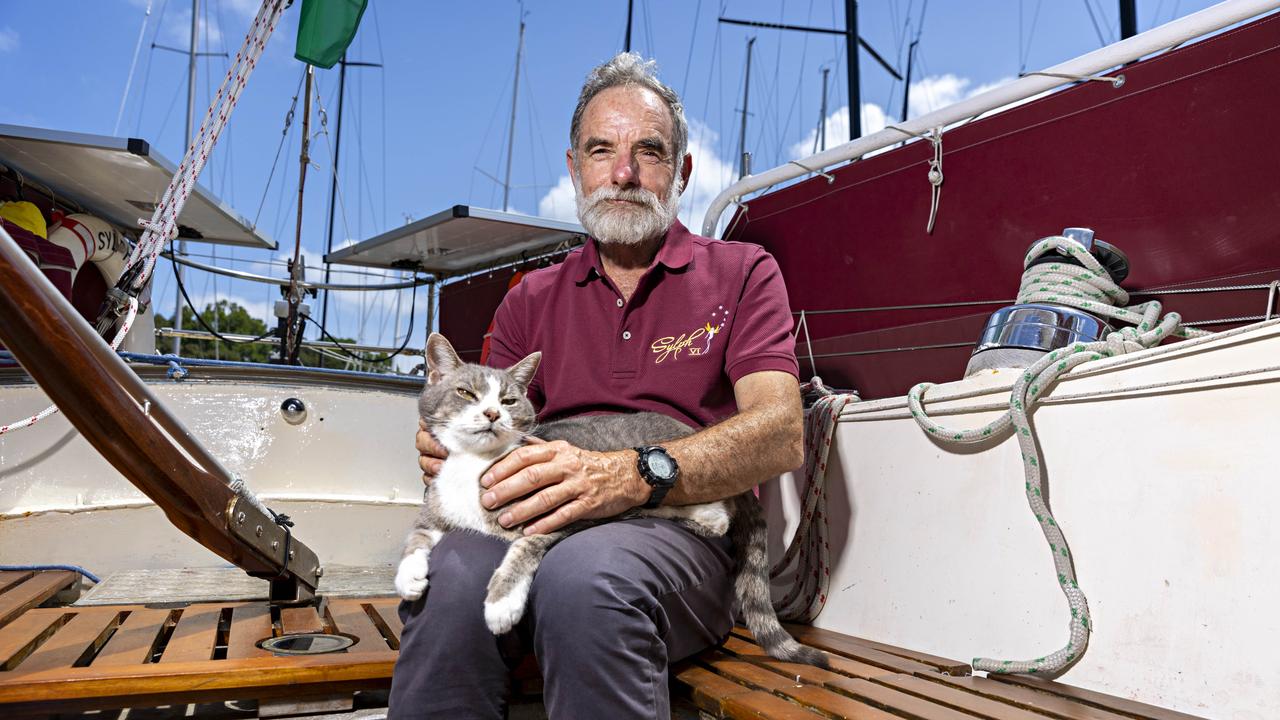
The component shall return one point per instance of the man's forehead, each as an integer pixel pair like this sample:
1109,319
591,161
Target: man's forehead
628,104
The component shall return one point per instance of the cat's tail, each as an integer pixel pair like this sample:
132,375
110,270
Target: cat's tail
750,540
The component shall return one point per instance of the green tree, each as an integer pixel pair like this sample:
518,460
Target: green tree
230,318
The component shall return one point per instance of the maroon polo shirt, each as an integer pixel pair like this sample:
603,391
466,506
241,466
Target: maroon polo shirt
706,313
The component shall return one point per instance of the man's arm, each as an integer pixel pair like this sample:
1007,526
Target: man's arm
562,483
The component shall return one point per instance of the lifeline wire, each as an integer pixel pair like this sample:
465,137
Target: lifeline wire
1089,288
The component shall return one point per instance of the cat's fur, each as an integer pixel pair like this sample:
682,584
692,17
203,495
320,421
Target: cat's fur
480,414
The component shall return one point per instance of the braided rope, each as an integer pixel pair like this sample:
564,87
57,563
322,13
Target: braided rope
810,550
1089,288
163,225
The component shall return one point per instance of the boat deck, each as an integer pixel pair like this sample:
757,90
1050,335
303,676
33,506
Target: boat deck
73,659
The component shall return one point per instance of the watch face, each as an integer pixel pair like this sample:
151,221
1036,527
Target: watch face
661,465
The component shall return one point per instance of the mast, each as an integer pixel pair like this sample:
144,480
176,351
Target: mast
743,170
289,350
1128,18
191,111
820,140
906,85
511,136
851,56
333,185
626,44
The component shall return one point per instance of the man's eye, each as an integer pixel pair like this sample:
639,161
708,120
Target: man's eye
466,394
509,401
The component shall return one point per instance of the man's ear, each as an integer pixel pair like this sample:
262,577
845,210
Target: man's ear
523,371
441,358
686,171
568,163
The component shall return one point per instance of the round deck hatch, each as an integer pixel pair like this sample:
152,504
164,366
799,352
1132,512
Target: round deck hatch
306,644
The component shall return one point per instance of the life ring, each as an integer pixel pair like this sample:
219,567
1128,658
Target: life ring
91,239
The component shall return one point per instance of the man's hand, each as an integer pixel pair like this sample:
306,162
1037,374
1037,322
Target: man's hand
567,484
431,453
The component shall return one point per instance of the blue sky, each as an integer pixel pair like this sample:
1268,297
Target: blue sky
416,129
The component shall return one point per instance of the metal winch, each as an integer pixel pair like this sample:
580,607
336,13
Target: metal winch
1019,335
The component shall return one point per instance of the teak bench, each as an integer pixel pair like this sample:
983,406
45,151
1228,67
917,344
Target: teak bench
67,659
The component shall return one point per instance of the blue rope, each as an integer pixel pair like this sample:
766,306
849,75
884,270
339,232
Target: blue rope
72,568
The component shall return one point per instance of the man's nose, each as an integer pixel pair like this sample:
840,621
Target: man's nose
492,414
625,172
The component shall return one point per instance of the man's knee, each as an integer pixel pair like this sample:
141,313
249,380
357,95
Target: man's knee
458,572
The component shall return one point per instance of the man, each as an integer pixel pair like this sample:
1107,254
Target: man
646,316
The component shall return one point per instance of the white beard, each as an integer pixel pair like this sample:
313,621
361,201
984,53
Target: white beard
626,224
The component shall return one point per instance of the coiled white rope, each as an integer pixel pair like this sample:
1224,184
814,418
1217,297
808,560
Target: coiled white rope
163,225
1088,288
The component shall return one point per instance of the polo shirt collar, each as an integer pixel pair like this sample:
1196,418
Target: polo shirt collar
675,253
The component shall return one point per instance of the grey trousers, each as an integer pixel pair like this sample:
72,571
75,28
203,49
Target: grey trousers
609,608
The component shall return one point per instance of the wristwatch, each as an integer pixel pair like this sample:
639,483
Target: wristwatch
659,469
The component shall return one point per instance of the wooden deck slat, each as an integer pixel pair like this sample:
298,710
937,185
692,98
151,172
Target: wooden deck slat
195,635
1052,705
836,643
69,643
18,634
389,610
839,663
300,620
959,699
946,665
132,642
9,578
862,690
805,692
29,593
1091,697
349,617
249,624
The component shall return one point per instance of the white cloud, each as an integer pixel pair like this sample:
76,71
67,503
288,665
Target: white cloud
559,203
9,40
837,128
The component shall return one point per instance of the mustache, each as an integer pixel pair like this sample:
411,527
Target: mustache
639,196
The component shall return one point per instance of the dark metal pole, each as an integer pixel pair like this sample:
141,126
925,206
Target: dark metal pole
626,45
906,86
511,139
746,93
820,141
333,191
851,53
1128,18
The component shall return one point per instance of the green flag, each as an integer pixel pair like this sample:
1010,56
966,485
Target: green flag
326,28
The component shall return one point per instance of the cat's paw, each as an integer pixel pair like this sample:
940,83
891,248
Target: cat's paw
502,613
711,520
411,577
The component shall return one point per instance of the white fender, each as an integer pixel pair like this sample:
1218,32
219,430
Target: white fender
91,239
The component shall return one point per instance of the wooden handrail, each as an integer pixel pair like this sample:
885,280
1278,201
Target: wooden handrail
116,412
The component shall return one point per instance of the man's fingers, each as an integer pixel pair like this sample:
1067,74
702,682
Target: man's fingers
540,504
428,445
517,460
567,513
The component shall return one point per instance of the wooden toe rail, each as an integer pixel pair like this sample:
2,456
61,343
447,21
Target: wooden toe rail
74,659
874,681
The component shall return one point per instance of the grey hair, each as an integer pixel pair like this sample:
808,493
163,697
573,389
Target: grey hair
629,69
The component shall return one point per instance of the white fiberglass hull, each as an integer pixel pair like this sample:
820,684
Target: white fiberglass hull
1166,496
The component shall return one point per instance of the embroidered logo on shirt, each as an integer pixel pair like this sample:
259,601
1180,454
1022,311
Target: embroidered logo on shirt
697,342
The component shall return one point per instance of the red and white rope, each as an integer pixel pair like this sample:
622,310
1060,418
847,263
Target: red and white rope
163,225
810,550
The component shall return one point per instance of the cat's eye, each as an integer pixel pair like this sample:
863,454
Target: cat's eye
510,400
466,394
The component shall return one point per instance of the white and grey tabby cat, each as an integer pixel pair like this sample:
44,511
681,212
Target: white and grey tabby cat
480,414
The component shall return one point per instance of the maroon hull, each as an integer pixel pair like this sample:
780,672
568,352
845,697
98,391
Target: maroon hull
1178,168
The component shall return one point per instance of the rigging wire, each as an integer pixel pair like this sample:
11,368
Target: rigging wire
146,82
408,335
1089,6
133,65
284,136
693,37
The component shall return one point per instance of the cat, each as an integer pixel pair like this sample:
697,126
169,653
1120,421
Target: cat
480,414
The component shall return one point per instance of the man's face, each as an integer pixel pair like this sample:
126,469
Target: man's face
627,187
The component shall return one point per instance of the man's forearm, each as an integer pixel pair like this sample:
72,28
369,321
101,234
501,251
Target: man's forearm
760,442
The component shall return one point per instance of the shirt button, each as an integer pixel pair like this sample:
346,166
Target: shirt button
626,334
619,302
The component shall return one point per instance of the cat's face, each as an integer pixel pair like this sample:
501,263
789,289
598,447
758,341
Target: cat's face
474,408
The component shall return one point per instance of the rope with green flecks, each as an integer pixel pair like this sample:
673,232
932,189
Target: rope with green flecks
1088,288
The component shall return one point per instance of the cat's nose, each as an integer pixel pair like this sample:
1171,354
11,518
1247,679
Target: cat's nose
492,414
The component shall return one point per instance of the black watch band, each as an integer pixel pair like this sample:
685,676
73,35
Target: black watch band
659,470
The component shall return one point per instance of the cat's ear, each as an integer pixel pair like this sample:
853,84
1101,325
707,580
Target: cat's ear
523,371
441,358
